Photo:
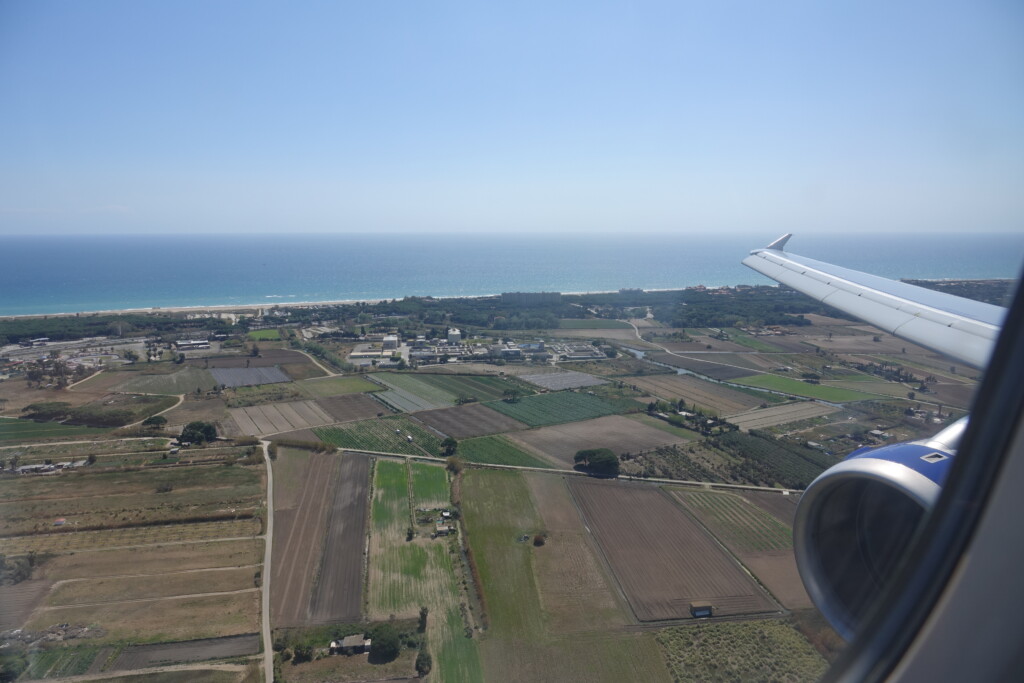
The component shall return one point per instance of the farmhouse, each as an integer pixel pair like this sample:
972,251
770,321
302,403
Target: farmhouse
443,529
350,645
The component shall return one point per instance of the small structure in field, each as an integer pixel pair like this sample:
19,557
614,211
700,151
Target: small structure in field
442,529
701,609
350,645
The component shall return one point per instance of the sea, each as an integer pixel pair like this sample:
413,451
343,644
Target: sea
69,274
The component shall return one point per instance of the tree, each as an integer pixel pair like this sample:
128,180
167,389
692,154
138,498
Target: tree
448,447
599,461
155,421
198,432
423,663
255,351
454,464
423,619
386,644
511,395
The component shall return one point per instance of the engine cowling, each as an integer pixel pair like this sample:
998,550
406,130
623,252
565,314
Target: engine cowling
856,519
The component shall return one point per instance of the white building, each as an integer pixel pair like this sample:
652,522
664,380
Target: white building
390,342
454,336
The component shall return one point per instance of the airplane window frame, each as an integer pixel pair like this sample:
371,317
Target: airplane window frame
902,610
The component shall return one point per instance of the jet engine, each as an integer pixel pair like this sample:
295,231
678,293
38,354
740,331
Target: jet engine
856,519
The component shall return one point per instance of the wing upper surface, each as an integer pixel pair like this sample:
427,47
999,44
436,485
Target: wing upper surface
960,328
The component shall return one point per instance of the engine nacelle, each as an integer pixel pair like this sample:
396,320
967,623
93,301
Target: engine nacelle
857,518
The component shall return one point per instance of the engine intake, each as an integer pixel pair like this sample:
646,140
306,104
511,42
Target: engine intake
857,518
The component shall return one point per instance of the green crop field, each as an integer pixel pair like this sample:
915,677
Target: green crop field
743,526
755,343
480,387
750,651
390,493
336,386
561,406
429,485
385,435
13,430
264,335
497,450
798,388
592,324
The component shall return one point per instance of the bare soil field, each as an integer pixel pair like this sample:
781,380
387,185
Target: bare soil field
559,443
661,558
79,541
700,343
301,495
166,619
320,527
783,508
17,602
182,381
693,390
142,656
154,560
206,410
338,593
247,377
777,415
703,367
120,587
268,358
274,418
463,422
575,591
351,407
777,570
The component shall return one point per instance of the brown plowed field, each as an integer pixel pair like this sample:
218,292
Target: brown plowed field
776,569
620,434
300,513
268,358
463,422
693,390
703,367
351,407
782,508
18,601
338,595
777,415
661,558
142,656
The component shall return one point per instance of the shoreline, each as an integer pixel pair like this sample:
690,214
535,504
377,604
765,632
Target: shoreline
249,308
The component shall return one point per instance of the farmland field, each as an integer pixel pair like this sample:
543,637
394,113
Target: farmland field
520,645
796,387
274,418
620,434
384,435
405,575
708,368
264,335
699,392
469,420
13,430
497,450
350,407
243,377
480,387
338,592
336,386
592,324
661,558
569,379
429,485
183,381
743,651
411,393
777,415
738,523
562,406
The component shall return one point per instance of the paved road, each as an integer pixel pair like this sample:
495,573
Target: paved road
268,542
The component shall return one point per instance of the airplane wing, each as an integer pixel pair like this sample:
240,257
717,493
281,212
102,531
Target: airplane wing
962,329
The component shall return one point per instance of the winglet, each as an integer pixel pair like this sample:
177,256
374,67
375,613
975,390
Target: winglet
780,243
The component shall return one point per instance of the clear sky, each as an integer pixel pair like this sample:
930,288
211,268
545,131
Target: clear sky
761,116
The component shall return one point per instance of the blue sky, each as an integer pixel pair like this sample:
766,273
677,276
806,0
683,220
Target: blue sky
499,117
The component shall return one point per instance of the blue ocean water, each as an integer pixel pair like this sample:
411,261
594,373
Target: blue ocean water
65,274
